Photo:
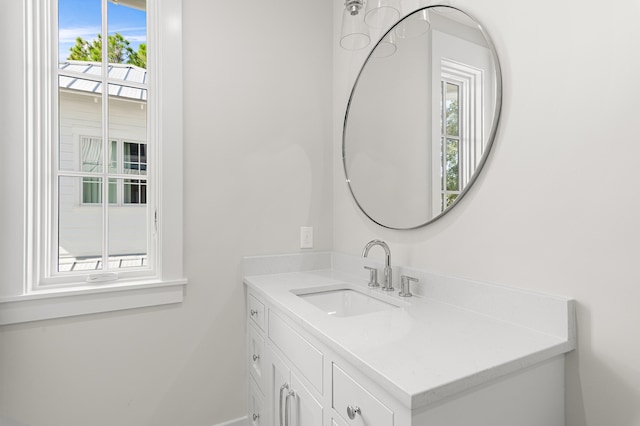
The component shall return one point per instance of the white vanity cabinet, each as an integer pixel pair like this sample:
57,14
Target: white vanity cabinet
309,370
303,381
283,390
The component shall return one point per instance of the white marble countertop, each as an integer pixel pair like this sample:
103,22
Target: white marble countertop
422,352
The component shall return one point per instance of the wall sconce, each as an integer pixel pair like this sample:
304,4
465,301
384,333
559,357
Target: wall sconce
382,13
360,15
354,34
379,14
414,25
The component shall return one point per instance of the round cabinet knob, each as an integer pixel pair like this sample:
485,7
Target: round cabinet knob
256,417
256,357
254,312
353,411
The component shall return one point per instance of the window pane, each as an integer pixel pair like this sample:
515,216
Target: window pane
83,123
452,110
113,191
135,159
128,42
90,154
91,191
80,224
79,24
80,125
128,117
453,161
113,157
442,164
135,191
128,227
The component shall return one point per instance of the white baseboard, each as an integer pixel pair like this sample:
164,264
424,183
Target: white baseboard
240,421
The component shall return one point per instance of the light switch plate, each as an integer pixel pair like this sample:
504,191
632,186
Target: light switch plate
306,237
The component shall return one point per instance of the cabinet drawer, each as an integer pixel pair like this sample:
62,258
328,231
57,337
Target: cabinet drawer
301,353
255,310
347,393
256,357
257,414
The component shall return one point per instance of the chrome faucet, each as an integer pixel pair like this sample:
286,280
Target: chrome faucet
388,282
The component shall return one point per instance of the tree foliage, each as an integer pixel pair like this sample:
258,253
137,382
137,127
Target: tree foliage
452,151
139,58
119,51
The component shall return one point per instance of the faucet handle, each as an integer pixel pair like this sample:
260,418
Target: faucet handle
405,284
373,276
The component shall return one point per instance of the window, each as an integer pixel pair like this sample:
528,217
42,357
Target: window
459,73
96,232
124,158
82,254
450,146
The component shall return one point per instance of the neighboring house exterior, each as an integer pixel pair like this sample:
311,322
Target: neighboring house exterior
80,198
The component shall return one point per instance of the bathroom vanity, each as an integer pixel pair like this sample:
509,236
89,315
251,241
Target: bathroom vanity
325,349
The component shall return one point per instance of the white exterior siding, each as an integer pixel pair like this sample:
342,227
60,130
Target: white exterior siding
81,225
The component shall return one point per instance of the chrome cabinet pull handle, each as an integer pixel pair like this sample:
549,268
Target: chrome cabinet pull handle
254,312
287,410
256,416
256,357
282,388
353,411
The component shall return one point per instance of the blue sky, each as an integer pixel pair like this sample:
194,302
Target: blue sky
82,18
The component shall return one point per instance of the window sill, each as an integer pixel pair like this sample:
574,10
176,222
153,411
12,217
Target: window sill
60,303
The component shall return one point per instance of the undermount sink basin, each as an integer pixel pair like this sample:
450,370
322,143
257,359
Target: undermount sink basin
343,302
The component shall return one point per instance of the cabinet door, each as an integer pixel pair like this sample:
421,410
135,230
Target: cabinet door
279,377
305,409
292,403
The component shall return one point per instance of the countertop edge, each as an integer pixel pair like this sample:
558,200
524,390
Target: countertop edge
496,373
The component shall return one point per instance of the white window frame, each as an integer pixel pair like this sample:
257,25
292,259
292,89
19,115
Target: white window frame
41,296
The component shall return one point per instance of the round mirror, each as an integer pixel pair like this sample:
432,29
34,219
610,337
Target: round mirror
421,118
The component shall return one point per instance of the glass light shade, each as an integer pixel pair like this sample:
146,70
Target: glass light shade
382,13
354,34
386,47
414,25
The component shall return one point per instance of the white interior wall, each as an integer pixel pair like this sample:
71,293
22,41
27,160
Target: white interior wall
257,119
556,208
